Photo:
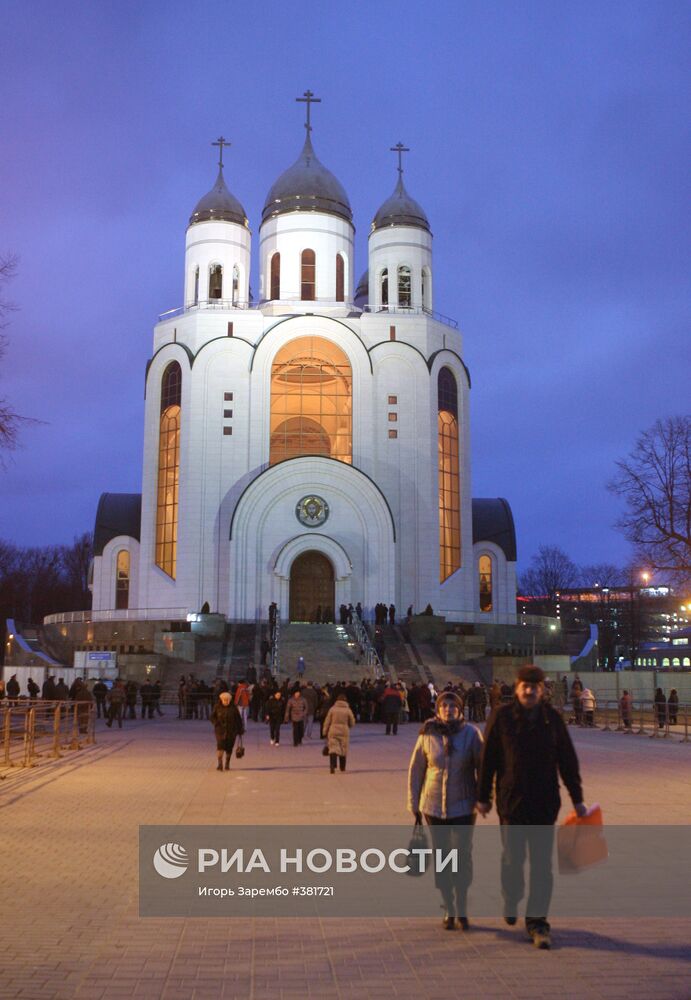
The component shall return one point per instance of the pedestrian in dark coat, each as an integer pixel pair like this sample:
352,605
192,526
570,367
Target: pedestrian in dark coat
100,692
12,687
660,708
116,705
296,712
337,725
391,703
34,689
80,693
673,707
527,749
228,725
275,711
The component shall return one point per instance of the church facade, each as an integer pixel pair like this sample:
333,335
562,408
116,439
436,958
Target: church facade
312,448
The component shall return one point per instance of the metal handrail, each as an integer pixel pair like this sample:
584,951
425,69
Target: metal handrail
205,304
125,614
412,311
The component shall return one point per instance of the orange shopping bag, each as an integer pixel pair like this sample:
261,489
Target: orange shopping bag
581,842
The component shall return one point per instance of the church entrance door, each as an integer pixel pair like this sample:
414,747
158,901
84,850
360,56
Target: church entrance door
311,588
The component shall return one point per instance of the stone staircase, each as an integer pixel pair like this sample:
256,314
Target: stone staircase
326,651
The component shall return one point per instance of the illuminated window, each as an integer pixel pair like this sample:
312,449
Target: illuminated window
196,286
393,400
276,276
311,401
449,479
340,278
384,287
122,580
216,282
236,283
168,470
404,287
393,417
485,570
393,434
308,262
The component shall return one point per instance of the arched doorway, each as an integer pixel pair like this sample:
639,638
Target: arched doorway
311,587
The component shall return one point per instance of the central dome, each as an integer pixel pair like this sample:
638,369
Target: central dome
307,186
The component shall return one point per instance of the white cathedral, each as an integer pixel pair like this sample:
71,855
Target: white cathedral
311,448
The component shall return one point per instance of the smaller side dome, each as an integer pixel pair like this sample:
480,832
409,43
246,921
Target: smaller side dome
219,205
400,210
362,290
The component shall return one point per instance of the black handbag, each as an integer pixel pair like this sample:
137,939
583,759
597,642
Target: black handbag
325,750
418,842
239,749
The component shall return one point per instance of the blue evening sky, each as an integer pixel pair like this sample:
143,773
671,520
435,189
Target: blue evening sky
550,150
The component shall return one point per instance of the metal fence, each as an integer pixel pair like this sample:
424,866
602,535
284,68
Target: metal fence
35,730
657,720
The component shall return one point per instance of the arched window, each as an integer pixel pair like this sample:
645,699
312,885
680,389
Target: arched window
168,470
308,275
275,276
122,580
236,284
449,478
484,566
340,278
216,282
425,288
311,401
404,287
196,286
384,287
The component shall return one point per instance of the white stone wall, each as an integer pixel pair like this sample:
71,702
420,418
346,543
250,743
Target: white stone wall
104,575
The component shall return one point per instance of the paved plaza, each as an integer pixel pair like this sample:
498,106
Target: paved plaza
70,925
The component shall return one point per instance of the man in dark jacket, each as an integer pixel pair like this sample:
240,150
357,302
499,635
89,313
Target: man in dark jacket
527,748
391,703
227,724
12,688
100,693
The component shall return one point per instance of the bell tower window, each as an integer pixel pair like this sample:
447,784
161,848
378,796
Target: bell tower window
216,282
196,286
340,278
404,287
384,287
275,276
236,284
308,275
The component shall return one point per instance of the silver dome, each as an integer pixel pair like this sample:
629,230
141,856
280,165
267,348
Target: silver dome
400,210
307,186
219,204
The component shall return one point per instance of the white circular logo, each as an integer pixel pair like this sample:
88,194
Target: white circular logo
312,511
170,860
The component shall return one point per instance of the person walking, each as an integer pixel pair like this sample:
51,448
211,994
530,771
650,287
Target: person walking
156,697
337,725
146,694
442,787
576,692
589,705
626,709
131,700
242,700
116,704
301,667
275,712
391,704
12,688
296,712
311,697
100,692
33,689
527,748
660,708
228,725
673,707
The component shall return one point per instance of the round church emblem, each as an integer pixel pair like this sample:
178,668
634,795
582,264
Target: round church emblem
312,511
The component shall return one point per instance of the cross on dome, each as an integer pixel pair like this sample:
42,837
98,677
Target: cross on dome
400,149
309,99
221,142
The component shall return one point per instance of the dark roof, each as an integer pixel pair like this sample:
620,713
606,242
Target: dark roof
493,522
219,204
307,186
400,210
117,514
362,290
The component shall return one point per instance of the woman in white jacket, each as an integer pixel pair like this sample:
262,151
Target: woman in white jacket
442,782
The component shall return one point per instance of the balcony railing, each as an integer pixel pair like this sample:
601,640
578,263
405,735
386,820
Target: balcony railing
412,311
230,304
123,615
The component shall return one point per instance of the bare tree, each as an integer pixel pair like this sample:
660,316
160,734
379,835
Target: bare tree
76,561
10,420
655,483
603,575
550,571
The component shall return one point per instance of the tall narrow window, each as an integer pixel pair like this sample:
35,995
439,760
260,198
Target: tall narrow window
340,278
485,571
236,284
404,289
216,282
308,277
384,287
425,288
311,401
276,276
449,479
168,470
196,286
122,580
